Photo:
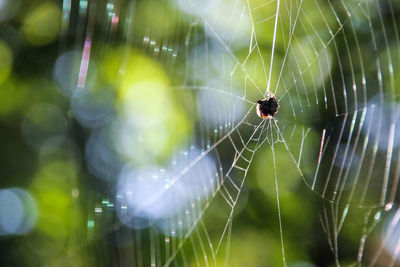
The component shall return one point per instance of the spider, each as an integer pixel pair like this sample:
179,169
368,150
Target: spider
267,107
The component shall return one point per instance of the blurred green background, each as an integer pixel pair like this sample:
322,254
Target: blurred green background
120,121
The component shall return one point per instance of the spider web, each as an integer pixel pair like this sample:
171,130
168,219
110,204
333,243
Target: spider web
333,66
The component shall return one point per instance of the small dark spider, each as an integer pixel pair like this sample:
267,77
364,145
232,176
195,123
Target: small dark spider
268,107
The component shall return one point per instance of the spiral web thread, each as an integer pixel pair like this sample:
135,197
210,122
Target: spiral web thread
354,169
